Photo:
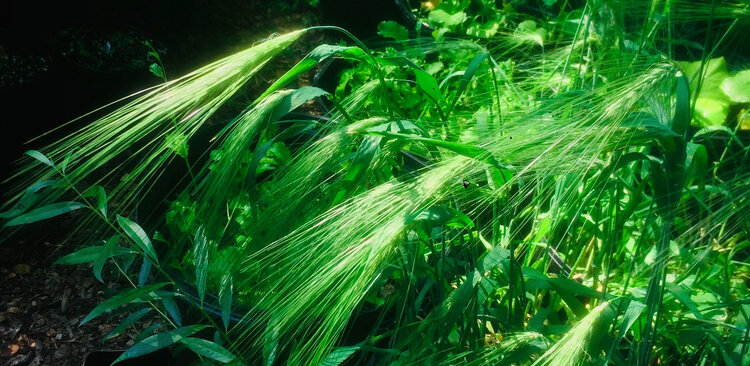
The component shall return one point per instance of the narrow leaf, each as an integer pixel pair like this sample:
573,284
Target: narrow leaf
40,157
144,272
225,298
208,349
316,56
28,199
358,167
200,251
467,76
443,216
104,254
125,323
46,212
89,255
146,332
682,108
339,355
138,236
470,151
66,161
159,341
632,314
120,299
172,309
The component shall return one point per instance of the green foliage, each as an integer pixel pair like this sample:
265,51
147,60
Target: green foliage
45,212
712,104
562,193
391,29
138,236
737,87
159,341
121,299
208,349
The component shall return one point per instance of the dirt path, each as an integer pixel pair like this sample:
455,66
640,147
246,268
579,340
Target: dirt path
42,305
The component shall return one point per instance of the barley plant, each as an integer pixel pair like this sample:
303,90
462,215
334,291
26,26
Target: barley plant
570,188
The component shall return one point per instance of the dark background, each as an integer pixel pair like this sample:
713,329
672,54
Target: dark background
59,60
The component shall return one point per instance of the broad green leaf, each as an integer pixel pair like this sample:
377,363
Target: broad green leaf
208,349
40,157
120,299
683,294
649,123
339,355
138,236
484,30
130,319
295,129
101,197
159,341
528,31
28,199
45,212
391,29
711,112
712,104
429,85
89,255
441,17
256,168
737,87
527,26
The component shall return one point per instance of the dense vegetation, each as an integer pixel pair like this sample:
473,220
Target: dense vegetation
560,184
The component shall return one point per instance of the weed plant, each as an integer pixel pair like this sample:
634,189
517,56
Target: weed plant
573,196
